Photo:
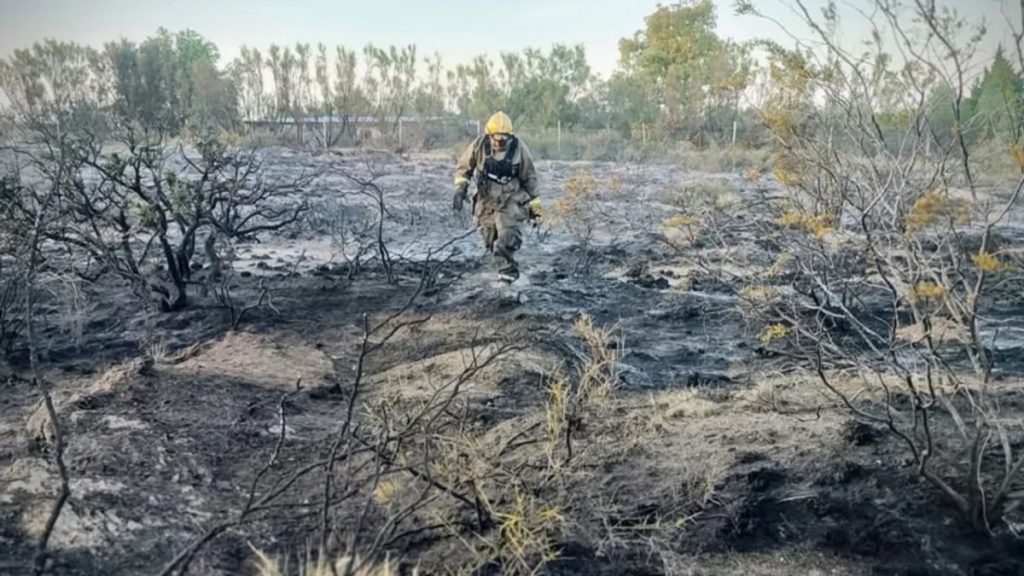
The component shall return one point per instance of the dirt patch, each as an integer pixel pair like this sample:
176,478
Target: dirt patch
258,359
153,445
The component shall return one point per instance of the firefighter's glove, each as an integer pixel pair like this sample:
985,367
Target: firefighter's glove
458,199
535,212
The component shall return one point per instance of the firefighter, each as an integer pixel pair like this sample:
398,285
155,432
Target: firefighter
506,191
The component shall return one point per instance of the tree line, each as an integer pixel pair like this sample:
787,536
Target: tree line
677,80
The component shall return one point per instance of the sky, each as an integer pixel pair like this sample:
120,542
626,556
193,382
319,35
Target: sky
456,29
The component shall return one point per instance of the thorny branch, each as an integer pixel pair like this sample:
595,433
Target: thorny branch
40,219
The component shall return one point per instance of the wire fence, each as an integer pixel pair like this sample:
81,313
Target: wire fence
402,133
410,134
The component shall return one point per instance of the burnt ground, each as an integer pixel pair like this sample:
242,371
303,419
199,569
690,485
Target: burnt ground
712,459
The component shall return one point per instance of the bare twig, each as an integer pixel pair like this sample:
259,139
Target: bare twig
39,563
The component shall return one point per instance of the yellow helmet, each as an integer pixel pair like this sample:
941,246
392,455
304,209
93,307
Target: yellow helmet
499,123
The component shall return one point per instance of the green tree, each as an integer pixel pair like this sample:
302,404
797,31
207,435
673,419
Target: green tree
941,112
323,82
475,89
389,81
247,70
630,101
304,89
555,84
997,109
281,63
214,106
534,88
170,81
350,100
694,72
430,94
145,85
194,56
44,84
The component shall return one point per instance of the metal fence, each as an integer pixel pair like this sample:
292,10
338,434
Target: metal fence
401,132
411,134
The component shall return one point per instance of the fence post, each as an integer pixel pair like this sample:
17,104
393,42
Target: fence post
559,136
643,128
399,131
734,133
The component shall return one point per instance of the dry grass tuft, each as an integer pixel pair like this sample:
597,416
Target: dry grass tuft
572,401
529,529
700,480
702,196
765,396
686,403
343,566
